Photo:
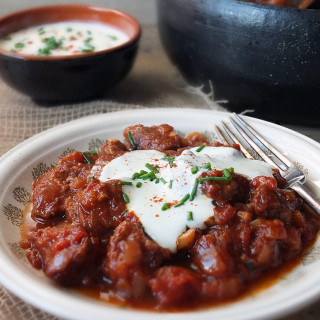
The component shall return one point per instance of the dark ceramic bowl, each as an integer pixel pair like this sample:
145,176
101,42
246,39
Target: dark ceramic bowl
65,78
256,56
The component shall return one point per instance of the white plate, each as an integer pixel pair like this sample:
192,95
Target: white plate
25,162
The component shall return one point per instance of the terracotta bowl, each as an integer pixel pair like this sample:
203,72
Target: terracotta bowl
65,78
256,56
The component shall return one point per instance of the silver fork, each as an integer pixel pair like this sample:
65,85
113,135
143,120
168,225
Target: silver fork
289,171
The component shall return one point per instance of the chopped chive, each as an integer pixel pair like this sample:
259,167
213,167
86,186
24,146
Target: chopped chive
94,153
133,145
7,38
151,168
190,216
125,198
231,169
126,183
89,32
19,45
139,184
147,176
213,179
163,181
169,159
114,38
88,40
194,190
183,200
141,228
157,181
92,178
44,52
207,166
53,164
69,29
137,175
170,185
165,206
194,170
227,174
200,148
85,155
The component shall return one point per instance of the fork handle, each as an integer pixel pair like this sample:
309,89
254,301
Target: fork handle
306,195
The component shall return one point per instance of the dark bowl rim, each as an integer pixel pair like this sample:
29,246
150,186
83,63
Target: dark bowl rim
135,38
272,6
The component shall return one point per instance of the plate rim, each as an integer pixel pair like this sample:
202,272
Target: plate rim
148,111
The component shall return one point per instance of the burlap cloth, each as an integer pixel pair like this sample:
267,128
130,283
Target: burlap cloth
153,82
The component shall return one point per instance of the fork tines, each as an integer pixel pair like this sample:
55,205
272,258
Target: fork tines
289,171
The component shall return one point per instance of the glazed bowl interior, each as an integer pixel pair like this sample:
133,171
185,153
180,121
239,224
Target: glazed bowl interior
60,13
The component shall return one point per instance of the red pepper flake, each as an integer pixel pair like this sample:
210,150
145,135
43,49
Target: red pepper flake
71,46
29,42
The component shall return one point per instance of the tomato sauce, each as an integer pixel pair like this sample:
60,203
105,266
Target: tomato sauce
84,237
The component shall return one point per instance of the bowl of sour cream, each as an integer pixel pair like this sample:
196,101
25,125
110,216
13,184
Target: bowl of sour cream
67,52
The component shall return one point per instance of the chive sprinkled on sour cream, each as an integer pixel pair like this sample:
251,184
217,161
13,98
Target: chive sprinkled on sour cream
63,38
163,208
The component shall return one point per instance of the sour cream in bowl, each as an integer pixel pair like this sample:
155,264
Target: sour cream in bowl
67,52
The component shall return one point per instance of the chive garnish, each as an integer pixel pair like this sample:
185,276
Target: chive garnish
133,145
194,170
227,174
151,168
165,206
114,38
126,183
139,184
157,181
141,228
7,38
170,185
190,216
207,166
137,175
194,190
163,181
231,169
125,198
94,153
41,31
183,200
53,164
69,29
200,148
19,45
213,179
85,155
51,44
169,159
147,176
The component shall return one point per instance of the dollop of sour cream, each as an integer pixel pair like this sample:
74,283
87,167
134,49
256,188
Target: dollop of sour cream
63,38
176,180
